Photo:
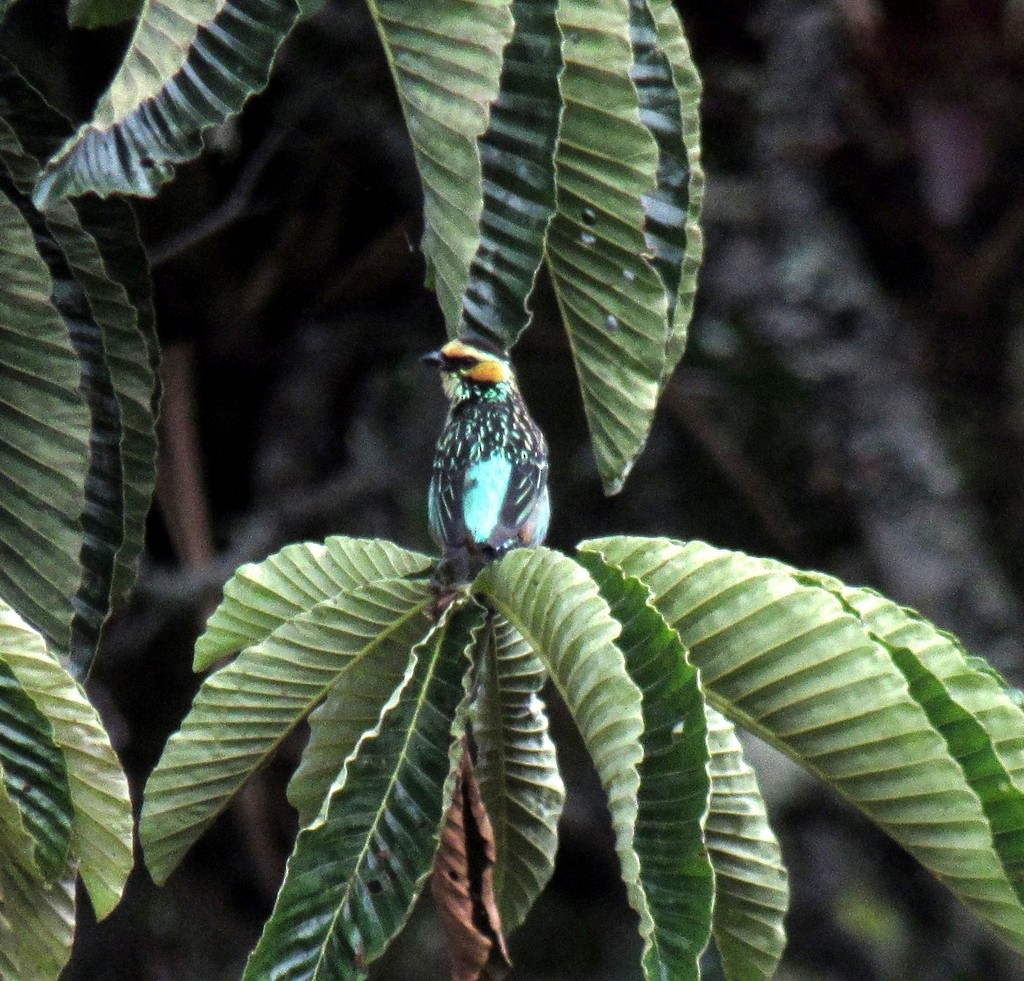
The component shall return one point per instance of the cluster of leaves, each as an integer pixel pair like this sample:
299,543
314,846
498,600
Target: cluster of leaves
653,645
78,394
555,134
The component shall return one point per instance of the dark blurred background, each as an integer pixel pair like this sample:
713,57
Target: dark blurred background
852,400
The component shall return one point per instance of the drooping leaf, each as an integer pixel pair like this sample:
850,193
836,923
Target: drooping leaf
462,884
68,252
355,872
446,59
102,825
517,770
556,606
44,440
675,870
751,883
100,242
669,89
244,710
788,661
261,596
37,916
613,302
982,726
518,177
190,66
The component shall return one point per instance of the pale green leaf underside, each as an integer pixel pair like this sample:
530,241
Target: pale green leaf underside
518,177
613,302
44,440
788,661
190,65
983,727
260,596
445,56
751,884
244,710
517,770
556,606
102,826
675,870
356,871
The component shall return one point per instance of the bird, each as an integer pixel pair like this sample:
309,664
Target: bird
489,481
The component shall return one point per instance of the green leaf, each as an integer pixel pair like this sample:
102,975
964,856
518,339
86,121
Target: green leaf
675,870
100,242
556,606
102,13
261,596
982,725
102,825
669,89
612,299
788,661
356,871
117,378
446,58
517,770
44,440
191,65
751,884
244,710
37,917
34,768
518,177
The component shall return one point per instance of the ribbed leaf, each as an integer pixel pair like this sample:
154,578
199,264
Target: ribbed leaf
243,711
72,260
675,870
37,917
669,89
613,303
518,177
556,606
446,59
102,826
100,241
788,661
356,870
34,770
130,342
44,440
751,884
191,65
353,703
983,727
261,596
517,770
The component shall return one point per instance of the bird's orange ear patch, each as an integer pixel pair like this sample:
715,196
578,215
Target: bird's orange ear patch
488,373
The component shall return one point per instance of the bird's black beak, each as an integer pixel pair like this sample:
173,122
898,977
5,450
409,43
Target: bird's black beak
433,357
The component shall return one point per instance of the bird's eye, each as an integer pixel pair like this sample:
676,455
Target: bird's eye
460,364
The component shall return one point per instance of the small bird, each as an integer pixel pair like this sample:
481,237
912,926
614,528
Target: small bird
489,484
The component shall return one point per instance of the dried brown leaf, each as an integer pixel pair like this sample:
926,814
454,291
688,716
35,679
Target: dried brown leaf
463,885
